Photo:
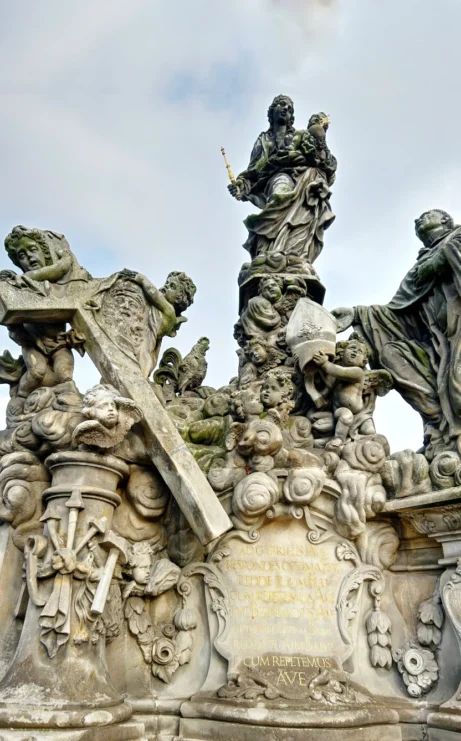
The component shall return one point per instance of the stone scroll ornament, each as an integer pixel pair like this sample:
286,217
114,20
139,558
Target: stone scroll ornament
166,646
417,660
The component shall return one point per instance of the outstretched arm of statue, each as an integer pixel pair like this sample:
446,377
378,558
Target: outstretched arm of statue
241,187
174,331
350,373
153,295
53,272
345,317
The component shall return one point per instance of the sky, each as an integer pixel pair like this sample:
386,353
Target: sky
113,113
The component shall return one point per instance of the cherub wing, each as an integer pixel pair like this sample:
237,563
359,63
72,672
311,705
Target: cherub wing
91,432
378,381
130,409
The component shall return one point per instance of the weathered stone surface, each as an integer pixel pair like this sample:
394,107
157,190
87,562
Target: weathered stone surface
283,592
120,367
185,562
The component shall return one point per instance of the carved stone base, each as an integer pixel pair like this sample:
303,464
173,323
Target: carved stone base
159,727
160,716
444,726
121,732
211,721
39,715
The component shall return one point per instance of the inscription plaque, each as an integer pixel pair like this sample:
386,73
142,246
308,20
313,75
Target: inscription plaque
282,602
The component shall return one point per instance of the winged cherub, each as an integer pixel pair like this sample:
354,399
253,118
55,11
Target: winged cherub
108,417
353,389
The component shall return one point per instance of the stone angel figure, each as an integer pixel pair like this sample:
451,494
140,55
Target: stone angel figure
48,268
45,259
351,389
108,418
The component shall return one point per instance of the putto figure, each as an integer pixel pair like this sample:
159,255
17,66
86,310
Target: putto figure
42,255
288,177
148,313
347,381
48,265
108,417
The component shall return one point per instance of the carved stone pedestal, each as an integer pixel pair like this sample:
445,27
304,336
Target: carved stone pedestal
160,717
129,731
438,515
58,686
287,595
209,721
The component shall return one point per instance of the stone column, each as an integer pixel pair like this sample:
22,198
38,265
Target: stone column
58,685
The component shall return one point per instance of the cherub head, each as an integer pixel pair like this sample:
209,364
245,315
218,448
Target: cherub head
239,334
352,352
179,290
44,255
271,288
256,351
276,389
319,122
109,417
28,248
100,403
281,111
245,403
140,561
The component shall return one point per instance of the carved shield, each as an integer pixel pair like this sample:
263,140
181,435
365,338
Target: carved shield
311,328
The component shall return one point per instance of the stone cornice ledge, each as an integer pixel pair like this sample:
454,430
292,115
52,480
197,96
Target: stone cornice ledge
424,501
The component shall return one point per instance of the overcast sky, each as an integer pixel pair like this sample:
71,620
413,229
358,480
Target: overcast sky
113,114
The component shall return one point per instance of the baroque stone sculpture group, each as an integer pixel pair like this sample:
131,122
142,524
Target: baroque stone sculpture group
190,563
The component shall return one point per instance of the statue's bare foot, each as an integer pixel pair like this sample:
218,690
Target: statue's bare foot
335,444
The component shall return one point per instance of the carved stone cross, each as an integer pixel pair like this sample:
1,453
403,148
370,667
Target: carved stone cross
166,448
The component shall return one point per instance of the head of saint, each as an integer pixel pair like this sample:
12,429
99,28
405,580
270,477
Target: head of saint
433,223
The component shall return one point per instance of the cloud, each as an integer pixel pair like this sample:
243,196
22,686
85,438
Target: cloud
113,115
